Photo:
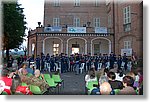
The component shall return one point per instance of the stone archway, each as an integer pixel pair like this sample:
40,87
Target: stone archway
52,45
32,47
100,45
76,43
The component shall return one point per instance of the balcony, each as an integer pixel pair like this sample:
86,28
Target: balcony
70,31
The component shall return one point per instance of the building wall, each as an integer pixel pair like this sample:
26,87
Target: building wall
86,12
67,11
135,35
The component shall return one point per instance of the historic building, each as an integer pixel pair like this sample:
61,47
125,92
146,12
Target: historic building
88,27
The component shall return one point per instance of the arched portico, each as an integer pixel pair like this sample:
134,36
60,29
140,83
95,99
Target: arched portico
100,45
52,45
76,45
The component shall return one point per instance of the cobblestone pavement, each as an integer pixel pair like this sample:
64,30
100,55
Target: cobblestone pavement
73,84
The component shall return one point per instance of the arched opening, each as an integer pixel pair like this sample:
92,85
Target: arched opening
100,45
76,45
31,47
52,45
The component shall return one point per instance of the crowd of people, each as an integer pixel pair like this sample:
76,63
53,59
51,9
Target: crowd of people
110,71
114,82
73,62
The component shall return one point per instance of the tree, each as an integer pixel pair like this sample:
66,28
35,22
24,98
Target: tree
14,26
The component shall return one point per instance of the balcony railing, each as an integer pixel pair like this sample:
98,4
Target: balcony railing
74,34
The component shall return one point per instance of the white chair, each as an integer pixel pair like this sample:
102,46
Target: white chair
99,66
107,65
57,68
122,65
82,67
86,68
48,66
129,65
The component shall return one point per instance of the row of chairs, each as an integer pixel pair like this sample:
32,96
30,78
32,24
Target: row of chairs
53,81
92,84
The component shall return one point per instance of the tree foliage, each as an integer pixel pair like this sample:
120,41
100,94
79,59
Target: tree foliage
14,25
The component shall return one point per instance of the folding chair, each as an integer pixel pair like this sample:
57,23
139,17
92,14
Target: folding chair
82,67
57,79
99,66
90,86
57,68
35,90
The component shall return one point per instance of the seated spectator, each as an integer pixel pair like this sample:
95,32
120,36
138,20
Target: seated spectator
6,78
115,84
119,75
23,66
131,74
104,87
17,88
38,74
2,86
31,69
128,86
34,80
100,73
91,76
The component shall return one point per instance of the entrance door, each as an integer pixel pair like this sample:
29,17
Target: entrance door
96,48
75,48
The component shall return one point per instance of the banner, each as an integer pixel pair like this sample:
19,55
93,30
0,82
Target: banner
100,29
76,30
127,51
52,29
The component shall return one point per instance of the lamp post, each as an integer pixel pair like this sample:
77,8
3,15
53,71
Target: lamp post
100,47
25,51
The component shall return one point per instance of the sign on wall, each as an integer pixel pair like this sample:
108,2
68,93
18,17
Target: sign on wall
52,29
127,51
76,30
100,29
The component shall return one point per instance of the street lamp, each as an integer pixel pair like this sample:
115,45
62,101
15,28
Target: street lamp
100,47
39,23
25,50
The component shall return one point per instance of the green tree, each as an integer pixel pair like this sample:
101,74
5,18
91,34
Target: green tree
14,26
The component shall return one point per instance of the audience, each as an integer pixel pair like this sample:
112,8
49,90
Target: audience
115,84
16,87
91,76
128,89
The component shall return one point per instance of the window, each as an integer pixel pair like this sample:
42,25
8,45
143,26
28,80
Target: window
76,2
127,18
96,22
77,22
127,44
97,3
127,27
56,3
56,22
127,15
55,49
109,21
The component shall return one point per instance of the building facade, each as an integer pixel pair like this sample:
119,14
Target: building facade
87,28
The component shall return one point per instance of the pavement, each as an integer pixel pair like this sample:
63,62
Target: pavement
73,84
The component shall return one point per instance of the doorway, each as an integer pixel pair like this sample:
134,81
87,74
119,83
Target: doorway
75,48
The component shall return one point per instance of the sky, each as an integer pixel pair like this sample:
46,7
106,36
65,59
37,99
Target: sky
34,12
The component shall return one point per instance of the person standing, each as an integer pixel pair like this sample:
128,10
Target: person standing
77,64
112,60
38,62
125,60
10,61
42,61
119,61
